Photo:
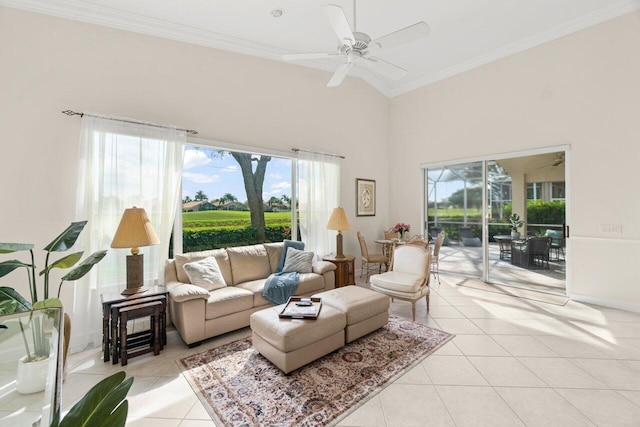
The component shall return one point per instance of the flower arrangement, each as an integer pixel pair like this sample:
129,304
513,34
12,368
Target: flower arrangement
401,228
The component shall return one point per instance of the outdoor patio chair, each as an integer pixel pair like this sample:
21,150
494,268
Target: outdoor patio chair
527,253
409,279
467,237
370,262
557,243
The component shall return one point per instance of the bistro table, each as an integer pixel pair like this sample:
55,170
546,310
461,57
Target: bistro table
388,246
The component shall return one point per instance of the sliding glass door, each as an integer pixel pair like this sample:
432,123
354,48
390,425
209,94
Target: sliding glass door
455,206
473,202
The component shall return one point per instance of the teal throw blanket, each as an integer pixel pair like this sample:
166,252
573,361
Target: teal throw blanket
280,286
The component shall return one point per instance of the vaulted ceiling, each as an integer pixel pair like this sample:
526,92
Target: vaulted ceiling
464,33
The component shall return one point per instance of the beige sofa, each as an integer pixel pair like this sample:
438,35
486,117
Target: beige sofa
199,314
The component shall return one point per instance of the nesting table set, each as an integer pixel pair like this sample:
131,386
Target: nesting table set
118,309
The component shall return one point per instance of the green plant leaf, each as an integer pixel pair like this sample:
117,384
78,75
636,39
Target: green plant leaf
6,248
47,303
98,406
66,262
7,267
118,418
67,238
10,294
8,307
85,266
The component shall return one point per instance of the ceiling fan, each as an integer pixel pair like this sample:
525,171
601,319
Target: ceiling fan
357,47
557,162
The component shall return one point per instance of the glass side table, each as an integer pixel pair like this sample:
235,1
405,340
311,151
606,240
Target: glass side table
20,403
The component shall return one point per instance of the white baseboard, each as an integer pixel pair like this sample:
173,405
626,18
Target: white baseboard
621,305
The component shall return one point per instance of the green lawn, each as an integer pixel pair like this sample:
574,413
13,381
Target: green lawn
230,219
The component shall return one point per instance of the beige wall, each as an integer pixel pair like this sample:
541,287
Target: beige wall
582,90
48,65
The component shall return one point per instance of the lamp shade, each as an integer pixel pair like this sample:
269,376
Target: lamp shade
135,230
338,220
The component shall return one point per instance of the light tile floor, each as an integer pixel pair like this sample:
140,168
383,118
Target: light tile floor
513,362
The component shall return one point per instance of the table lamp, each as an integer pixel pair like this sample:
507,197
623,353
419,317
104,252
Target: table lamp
338,221
135,230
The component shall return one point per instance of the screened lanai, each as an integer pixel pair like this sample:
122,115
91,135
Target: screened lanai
531,186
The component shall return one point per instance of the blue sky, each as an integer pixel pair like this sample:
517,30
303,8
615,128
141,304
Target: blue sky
217,176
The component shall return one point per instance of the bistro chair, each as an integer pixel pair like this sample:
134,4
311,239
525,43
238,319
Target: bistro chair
435,256
370,262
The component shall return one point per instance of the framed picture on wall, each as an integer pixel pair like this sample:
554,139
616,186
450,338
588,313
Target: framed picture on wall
365,197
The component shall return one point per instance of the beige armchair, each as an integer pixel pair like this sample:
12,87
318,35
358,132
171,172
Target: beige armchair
409,279
370,262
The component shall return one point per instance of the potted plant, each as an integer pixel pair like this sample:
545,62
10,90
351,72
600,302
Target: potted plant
11,301
103,405
516,223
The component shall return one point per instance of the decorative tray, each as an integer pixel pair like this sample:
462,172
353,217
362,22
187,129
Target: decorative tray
293,311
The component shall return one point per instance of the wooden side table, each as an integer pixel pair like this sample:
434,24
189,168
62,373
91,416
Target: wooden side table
153,293
345,271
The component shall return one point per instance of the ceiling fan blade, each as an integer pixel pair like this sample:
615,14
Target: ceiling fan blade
339,22
319,55
385,68
340,74
400,37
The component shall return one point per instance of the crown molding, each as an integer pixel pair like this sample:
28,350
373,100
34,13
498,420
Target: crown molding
595,17
108,17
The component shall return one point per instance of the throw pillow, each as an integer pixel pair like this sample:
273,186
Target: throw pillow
288,244
298,261
205,273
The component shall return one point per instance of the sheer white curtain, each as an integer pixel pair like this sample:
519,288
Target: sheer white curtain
121,165
319,190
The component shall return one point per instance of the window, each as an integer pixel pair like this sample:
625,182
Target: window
232,198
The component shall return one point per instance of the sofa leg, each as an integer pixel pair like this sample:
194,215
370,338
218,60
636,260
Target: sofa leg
194,344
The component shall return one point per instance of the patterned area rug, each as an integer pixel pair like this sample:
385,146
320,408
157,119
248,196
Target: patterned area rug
239,387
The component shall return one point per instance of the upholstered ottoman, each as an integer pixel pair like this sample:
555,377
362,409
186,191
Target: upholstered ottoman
366,310
292,343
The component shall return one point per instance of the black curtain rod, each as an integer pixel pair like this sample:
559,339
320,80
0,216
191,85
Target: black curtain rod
317,152
73,113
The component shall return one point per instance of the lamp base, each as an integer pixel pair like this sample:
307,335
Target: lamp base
339,253
135,275
131,291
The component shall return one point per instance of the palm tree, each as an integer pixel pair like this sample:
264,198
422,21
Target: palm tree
201,196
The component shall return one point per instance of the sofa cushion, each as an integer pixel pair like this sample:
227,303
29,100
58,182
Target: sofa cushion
310,283
255,287
274,252
248,263
219,254
399,282
205,273
288,244
297,261
228,300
